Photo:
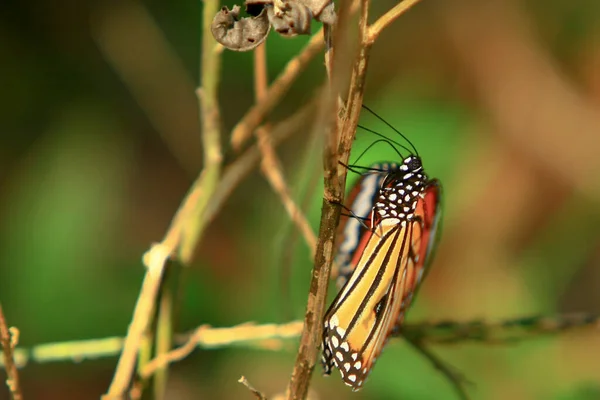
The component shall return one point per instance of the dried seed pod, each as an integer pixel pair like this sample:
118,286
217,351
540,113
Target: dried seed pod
290,20
322,10
327,14
240,34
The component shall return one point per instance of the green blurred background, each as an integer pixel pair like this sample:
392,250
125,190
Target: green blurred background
100,141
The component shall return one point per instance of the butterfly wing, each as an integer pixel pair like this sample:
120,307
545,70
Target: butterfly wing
358,320
388,265
425,238
353,228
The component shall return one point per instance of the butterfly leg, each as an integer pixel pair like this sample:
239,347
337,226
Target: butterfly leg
357,169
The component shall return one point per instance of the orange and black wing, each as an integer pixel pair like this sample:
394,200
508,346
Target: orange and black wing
389,264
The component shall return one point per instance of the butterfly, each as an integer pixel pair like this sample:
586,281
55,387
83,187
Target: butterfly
382,262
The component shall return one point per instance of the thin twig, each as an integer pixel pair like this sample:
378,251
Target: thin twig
455,378
503,332
243,130
273,337
164,334
270,165
251,388
145,352
246,163
261,77
8,341
378,26
156,259
211,132
211,338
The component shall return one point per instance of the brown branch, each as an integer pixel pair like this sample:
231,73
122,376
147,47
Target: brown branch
271,168
251,388
455,378
378,26
270,165
208,337
8,340
335,151
261,78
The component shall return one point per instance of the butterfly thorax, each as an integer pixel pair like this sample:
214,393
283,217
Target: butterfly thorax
400,191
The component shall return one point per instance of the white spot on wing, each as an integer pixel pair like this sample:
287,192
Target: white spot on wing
334,321
334,341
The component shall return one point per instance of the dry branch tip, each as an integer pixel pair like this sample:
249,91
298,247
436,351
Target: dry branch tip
251,388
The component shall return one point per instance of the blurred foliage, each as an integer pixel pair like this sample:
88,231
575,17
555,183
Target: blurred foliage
92,169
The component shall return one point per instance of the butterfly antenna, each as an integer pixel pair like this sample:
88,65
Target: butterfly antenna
387,141
390,126
357,169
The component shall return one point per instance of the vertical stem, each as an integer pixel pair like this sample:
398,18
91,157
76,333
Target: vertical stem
261,78
336,151
164,338
8,346
194,227
211,132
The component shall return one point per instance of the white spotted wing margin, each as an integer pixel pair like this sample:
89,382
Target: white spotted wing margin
363,314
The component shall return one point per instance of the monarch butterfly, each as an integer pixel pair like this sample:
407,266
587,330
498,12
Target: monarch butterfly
383,271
